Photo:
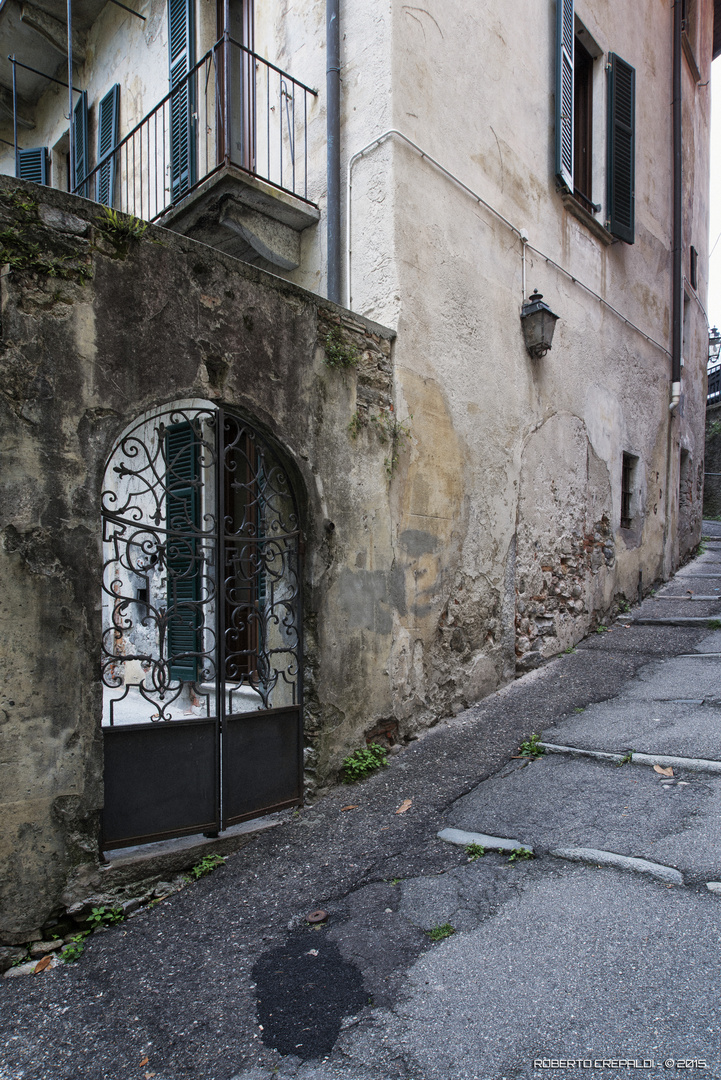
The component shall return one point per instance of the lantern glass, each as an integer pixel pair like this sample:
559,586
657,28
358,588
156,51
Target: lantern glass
539,323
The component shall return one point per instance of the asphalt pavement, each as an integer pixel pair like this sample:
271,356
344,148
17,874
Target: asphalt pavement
599,955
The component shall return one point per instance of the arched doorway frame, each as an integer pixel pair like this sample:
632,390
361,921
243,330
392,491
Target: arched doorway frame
214,658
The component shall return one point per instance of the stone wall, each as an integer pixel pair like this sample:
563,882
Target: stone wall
712,464
97,328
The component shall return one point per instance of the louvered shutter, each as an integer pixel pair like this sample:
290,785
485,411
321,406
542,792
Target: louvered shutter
33,165
181,38
183,559
621,149
108,122
80,144
564,91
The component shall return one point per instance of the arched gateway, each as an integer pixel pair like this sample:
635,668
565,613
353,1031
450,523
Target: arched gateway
201,644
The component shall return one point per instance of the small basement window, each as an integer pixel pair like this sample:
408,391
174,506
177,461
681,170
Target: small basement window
628,486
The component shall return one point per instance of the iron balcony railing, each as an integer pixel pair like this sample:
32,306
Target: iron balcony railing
713,393
232,108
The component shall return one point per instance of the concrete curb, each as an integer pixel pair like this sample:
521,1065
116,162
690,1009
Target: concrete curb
666,874
665,760
574,751
493,843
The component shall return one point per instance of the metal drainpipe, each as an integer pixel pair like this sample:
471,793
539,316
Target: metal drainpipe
677,306
333,149
71,139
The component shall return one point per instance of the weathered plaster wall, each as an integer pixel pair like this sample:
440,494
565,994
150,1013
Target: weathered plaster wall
538,445
93,335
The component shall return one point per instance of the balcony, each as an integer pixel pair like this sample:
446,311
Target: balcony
223,158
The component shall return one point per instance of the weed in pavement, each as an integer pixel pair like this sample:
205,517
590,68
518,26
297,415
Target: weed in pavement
103,916
207,865
364,761
520,855
474,851
438,933
628,756
74,949
531,748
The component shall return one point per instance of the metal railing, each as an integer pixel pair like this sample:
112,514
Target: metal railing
232,108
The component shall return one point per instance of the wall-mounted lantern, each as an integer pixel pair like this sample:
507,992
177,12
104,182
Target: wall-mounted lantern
714,346
538,323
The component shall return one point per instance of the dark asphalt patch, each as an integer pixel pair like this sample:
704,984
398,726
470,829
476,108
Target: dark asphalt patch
302,998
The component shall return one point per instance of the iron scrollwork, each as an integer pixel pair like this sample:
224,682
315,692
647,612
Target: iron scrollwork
201,579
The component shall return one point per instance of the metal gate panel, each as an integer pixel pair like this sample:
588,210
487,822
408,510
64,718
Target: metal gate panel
261,763
201,645
160,781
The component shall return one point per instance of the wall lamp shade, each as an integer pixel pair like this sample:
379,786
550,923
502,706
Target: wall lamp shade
538,322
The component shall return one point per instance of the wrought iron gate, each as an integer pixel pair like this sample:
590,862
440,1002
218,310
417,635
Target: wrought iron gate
201,645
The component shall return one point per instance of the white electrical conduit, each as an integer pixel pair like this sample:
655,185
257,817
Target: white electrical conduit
520,233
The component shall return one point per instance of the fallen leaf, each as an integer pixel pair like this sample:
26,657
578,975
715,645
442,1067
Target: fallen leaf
348,808
42,964
405,805
143,1062
662,771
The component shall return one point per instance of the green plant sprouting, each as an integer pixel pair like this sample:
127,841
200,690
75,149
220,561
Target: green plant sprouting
24,256
520,855
627,757
355,425
207,865
474,851
74,949
104,916
362,762
339,354
439,933
531,747
121,229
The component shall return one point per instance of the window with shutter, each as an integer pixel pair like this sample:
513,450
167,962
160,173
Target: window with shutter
621,149
183,558
80,145
564,91
32,165
108,123
181,37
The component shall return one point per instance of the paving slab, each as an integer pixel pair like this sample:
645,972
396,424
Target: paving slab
587,964
660,641
681,678
558,801
649,727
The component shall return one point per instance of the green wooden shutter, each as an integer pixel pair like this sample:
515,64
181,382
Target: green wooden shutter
108,122
621,149
565,37
33,165
80,144
181,37
183,558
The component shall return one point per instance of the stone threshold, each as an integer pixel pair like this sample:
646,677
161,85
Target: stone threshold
168,857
